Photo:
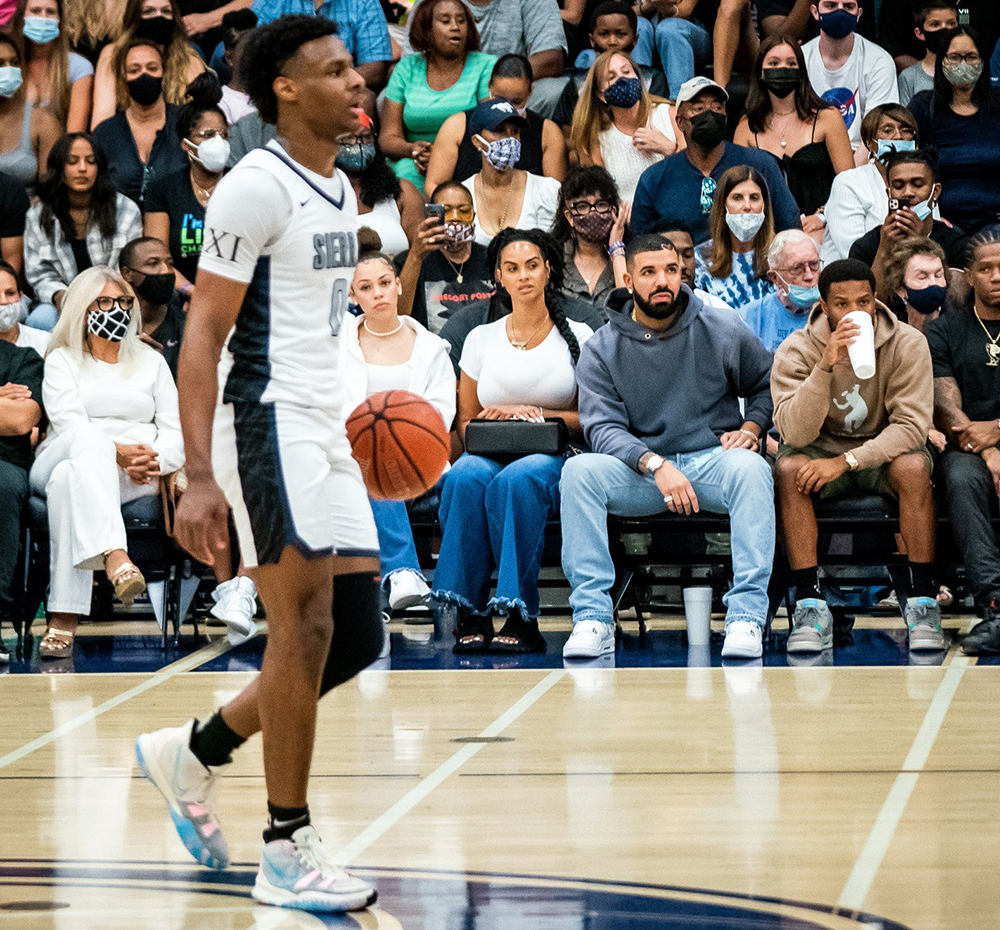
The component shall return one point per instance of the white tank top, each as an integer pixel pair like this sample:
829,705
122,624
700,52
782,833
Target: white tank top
625,163
388,377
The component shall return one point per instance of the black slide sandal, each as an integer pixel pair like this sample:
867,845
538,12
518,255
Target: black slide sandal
524,633
473,633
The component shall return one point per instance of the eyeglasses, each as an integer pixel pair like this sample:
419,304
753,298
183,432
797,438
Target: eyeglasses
801,267
106,303
465,213
584,207
708,186
204,134
953,58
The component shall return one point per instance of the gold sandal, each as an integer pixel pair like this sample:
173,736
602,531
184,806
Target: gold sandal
56,644
128,583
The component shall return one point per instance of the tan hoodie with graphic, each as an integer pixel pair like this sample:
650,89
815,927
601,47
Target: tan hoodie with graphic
878,419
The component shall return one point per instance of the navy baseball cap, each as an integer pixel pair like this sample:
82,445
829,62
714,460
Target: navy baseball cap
490,114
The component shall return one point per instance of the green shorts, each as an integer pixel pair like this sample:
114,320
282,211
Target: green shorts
863,481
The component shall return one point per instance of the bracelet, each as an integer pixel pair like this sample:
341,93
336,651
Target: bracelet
753,436
616,247
187,289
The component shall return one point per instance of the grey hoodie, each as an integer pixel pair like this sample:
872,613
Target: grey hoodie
670,392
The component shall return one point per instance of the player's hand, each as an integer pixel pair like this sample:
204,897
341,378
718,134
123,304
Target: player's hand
421,154
677,492
11,391
819,472
513,412
201,525
976,436
992,459
840,339
431,237
650,141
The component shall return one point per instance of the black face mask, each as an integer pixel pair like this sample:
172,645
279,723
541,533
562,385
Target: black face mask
780,81
156,289
708,129
934,41
145,89
659,311
158,29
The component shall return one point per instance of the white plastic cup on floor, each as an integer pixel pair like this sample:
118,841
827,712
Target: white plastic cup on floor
862,351
698,613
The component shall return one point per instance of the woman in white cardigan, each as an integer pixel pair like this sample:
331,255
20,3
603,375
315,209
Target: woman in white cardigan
384,351
114,429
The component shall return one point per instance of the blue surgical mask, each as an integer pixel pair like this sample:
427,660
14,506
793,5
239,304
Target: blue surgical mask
891,146
41,29
356,156
802,297
923,209
838,24
10,81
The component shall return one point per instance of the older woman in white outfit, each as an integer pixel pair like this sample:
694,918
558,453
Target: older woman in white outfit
114,429
386,352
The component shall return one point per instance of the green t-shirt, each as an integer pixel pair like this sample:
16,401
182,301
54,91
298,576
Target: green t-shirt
424,110
20,366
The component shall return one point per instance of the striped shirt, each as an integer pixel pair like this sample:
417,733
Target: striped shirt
361,24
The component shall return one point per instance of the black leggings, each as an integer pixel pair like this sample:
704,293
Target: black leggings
358,630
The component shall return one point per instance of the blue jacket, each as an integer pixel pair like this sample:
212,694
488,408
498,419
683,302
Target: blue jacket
670,392
671,190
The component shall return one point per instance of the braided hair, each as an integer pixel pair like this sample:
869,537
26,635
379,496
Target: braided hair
551,253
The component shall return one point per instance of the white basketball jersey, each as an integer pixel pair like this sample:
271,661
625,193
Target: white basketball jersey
291,235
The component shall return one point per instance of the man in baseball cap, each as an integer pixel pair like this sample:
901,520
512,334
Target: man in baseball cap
691,89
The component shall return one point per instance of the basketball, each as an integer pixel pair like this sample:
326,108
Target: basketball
401,444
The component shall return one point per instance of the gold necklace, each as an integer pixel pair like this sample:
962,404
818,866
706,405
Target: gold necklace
456,268
506,203
522,344
992,347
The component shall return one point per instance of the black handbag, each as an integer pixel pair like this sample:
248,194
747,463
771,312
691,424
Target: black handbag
511,439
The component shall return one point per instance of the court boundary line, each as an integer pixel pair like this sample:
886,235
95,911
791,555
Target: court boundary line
419,792
883,830
188,663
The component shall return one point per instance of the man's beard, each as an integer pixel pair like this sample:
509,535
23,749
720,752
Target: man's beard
659,311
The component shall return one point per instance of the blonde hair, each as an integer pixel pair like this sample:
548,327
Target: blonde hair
89,22
70,332
592,115
58,77
175,56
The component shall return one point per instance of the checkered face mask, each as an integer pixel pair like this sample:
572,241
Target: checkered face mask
109,324
707,193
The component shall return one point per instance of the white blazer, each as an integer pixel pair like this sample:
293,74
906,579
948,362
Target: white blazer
432,376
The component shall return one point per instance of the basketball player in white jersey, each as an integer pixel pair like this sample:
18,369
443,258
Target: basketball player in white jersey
264,437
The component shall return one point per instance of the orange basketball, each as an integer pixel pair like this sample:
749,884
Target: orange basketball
401,444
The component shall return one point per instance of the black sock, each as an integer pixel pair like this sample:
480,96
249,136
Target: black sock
284,821
922,579
806,583
213,742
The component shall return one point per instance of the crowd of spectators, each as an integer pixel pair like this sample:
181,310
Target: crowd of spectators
650,220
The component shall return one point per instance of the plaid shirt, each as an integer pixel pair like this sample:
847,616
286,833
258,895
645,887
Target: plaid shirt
49,264
362,24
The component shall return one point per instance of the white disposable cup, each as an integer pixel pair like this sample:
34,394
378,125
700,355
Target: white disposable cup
698,613
862,350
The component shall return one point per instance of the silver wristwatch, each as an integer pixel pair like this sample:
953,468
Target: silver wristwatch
852,462
653,463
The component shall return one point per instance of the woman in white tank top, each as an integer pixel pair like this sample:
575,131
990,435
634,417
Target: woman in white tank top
618,126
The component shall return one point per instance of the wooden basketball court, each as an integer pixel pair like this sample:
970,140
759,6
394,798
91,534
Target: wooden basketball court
693,796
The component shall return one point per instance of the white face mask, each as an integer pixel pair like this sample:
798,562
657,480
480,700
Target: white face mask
744,226
212,154
9,315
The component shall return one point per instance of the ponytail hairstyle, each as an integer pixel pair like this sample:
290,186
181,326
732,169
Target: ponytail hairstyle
203,96
552,253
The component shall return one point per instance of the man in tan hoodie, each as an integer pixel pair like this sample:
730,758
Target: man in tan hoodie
842,434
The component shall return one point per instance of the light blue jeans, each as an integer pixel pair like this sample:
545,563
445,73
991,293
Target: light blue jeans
397,549
680,43
44,316
733,481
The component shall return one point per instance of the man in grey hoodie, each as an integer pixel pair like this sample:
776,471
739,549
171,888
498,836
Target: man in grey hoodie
660,387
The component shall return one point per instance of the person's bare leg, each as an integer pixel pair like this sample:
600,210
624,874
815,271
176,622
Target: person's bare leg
798,518
910,478
242,713
726,38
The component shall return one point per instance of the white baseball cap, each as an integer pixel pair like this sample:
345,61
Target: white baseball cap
690,89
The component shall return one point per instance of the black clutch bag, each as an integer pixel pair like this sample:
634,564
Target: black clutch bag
511,439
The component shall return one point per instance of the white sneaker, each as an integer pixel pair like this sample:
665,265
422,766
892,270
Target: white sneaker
406,589
236,605
590,639
298,873
387,642
743,640
166,759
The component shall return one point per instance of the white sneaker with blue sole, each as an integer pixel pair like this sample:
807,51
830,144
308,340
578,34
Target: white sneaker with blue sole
187,786
298,873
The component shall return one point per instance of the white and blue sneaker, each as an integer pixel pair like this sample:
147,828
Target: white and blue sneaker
298,873
590,639
166,759
744,640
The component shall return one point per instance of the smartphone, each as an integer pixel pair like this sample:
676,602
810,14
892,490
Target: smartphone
893,204
436,210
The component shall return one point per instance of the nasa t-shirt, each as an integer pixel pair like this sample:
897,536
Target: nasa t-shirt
866,80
